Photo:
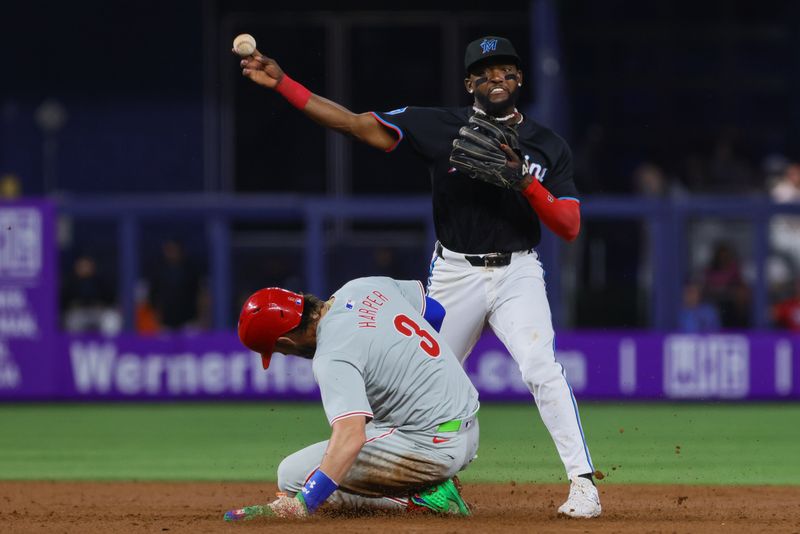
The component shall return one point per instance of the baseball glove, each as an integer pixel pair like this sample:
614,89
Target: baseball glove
477,153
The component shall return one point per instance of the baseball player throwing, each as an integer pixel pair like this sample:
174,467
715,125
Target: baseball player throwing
401,408
495,175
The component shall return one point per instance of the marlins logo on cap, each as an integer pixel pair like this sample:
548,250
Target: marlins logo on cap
487,45
490,46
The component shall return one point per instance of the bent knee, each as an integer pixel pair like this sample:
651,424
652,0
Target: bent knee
291,475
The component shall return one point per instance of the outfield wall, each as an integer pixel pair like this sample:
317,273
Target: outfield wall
608,365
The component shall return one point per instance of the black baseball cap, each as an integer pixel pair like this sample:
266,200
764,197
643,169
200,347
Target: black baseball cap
489,46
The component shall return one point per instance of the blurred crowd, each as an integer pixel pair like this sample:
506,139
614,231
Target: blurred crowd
717,294
172,297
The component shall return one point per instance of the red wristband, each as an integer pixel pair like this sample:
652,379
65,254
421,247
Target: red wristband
295,93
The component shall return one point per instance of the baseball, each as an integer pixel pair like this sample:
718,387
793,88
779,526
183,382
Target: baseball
244,44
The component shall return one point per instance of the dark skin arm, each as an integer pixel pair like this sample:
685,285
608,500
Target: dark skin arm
267,73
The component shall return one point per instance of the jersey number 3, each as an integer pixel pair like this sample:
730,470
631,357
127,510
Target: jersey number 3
406,326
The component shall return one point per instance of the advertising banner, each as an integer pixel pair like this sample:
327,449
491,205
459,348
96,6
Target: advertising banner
28,298
608,365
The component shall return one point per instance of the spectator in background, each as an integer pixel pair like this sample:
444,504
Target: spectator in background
786,313
773,167
175,289
728,171
650,180
87,300
697,315
725,286
145,319
785,229
787,187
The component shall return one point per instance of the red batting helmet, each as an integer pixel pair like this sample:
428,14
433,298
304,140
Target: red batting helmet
267,315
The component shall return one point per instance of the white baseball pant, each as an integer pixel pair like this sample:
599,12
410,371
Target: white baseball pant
513,300
391,465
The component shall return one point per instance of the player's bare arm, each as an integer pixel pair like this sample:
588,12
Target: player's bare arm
267,73
346,441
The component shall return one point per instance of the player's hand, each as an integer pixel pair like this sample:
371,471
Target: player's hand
514,161
289,507
262,70
515,164
489,151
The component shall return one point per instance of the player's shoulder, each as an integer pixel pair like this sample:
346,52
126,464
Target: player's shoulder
443,114
457,115
364,283
325,360
544,137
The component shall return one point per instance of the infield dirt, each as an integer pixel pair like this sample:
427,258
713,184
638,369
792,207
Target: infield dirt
176,507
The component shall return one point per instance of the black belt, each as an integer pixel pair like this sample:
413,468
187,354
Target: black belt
495,259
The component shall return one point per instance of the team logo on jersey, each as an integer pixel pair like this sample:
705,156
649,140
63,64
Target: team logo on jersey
349,304
396,111
488,45
534,169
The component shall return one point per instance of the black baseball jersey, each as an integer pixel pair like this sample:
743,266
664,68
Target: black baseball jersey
472,216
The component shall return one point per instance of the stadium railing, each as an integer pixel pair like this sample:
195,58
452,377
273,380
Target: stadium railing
667,223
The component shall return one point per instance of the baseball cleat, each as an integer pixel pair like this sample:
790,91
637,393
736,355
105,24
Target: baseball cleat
583,501
249,512
442,499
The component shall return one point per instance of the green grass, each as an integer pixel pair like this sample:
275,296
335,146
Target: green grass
633,443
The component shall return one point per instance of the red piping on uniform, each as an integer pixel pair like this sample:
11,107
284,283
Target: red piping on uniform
424,302
311,474
388,124
385,434
401,502
349,414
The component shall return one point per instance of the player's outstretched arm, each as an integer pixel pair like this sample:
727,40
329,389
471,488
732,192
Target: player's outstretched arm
267,73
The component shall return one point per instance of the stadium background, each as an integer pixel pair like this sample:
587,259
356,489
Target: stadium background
147,189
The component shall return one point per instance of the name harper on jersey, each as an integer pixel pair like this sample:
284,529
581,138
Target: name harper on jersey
370,306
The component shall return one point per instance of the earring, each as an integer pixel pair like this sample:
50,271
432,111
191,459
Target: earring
520,84
469,91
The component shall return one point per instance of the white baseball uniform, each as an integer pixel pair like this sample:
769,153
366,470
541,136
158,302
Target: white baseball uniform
379,359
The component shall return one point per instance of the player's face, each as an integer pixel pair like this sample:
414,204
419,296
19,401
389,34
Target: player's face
495,86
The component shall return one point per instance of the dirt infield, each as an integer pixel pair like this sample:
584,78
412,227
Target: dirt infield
173,507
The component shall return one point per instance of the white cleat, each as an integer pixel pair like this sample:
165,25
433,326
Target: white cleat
583,501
